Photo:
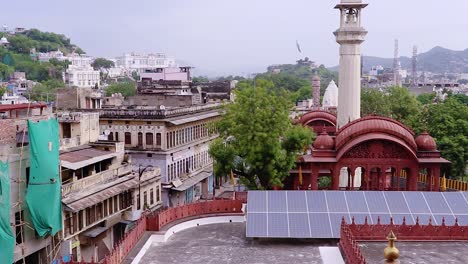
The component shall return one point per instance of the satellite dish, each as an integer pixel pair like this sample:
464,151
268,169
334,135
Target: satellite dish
106,132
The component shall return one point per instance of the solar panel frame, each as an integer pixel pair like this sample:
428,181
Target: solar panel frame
318,214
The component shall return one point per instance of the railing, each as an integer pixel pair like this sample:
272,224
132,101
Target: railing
66,143
349,246
154,113
449,183
241,196
95,179
126,245
157,221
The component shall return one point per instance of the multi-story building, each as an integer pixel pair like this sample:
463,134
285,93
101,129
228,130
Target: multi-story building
140,62
101,195
14,149
175,140
80,73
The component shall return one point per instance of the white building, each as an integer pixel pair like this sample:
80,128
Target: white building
330,98
80,73
139,62
46,56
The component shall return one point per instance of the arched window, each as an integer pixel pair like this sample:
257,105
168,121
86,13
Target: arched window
128,138
149,138
140,139
158,139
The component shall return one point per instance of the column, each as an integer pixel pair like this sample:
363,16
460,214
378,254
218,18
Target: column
313,179
436,176
335,179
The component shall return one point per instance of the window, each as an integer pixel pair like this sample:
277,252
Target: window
140,139
80,220
158,139
116,205
138,202
128,138
27,176
151,196
116,136
149,155
145,199
158,198
99,211
149,138
111,136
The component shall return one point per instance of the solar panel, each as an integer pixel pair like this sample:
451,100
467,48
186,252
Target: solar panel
456,202
416,203
299,225
297,202
318,214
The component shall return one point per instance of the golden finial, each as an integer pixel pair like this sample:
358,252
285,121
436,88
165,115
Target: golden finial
391,253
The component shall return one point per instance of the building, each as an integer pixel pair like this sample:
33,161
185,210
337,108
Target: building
14,149
140,62
369,153
80,73
78,98
101,195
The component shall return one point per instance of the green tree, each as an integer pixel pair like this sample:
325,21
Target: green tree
5,71
79,50
375,102
200,79
20,44
404,106
426,98
3,90
126,89
45,91
257,138
102,63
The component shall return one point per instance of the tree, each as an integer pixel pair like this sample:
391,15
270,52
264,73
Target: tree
102,63
404,106
79,51
257,139
200,79
5,71
2,90
374,101
426,98
126,89
20,44
45,91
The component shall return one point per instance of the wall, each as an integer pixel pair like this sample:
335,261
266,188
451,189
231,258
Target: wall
160,99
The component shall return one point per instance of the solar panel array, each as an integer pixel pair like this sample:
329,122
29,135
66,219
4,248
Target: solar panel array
318,214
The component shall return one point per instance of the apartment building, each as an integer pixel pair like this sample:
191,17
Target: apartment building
101,195
14,150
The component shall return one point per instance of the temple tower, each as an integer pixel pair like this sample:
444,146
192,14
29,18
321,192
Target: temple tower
350,36
315,91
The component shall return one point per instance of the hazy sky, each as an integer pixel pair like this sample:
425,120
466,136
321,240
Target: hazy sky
240,36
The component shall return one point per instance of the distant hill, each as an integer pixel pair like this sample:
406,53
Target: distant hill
437,60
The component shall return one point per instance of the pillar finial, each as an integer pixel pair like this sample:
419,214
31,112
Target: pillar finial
391,253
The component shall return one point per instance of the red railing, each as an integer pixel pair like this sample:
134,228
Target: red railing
352,233
241,196
349,246
156,221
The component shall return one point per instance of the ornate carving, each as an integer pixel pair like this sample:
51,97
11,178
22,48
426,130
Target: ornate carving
377,149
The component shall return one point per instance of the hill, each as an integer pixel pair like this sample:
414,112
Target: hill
437,60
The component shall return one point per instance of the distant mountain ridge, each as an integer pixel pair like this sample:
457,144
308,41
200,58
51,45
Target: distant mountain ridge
437,60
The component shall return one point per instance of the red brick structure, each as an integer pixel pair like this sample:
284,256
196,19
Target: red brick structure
375,149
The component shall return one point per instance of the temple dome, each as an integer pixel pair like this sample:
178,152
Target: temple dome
324,141
425,142
4,40
330,98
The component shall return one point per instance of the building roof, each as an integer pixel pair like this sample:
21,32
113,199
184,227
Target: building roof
10,107
318,115
193,180
193,118
375,124
83,157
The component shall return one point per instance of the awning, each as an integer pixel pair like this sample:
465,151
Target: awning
433,160
177,182
78,159
95,231
88,198
193,180
193,118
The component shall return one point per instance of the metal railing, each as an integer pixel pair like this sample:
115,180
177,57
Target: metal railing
449,183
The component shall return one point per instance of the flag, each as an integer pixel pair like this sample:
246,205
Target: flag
232,178
300,175
298,47
443,186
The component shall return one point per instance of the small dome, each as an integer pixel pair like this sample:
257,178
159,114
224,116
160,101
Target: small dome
4,40
425,142
324,141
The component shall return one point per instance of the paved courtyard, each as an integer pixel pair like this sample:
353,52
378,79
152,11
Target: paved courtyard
226,243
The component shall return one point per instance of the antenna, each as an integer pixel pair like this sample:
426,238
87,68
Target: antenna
415,66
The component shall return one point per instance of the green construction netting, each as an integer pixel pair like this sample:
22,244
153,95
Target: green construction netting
43,194
7,240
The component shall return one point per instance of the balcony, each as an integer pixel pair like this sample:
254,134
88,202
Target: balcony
95,179
66,143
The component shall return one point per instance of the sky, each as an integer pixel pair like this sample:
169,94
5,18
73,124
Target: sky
222,37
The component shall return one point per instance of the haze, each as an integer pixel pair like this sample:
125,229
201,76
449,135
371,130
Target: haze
221,37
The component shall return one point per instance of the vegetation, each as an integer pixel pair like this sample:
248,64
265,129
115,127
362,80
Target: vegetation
125,88
46,90
103,65
257,139
446,121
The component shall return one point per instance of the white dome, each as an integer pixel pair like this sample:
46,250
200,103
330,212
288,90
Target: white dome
330,98
4,40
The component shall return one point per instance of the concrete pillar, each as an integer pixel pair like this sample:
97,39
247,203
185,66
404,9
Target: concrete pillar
436,175
335,179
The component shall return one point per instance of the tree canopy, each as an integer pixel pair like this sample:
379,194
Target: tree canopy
125,88
257,139
102,63
446,121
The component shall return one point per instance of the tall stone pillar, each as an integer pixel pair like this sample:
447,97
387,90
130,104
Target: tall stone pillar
350,36
316,91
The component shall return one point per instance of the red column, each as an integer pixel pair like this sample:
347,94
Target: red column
436,176
413,179
313,179
335,179
429,180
